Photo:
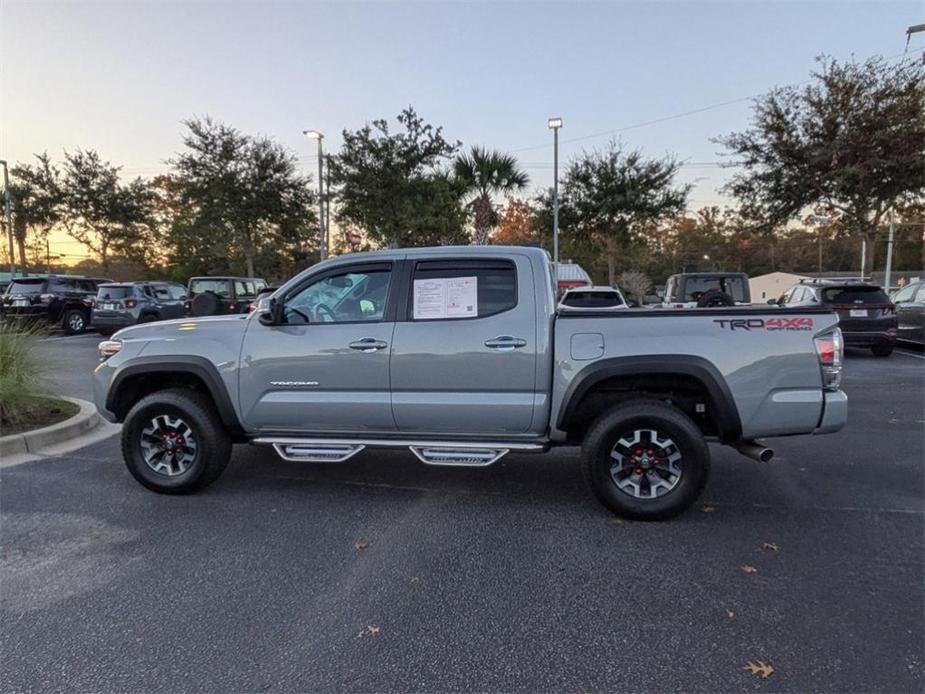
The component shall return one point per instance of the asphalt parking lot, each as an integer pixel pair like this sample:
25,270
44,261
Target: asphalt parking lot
384,574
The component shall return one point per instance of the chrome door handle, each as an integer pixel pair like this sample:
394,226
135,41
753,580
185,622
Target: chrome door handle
505,343
368,344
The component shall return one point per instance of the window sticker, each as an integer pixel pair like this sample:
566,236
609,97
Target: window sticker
454,297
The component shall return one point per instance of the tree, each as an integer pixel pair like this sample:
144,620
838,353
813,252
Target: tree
613,194
516,226
850,141
483,175
100,211
36,197
636,284
236,201
391,184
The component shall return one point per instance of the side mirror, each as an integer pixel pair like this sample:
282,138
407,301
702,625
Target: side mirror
268,312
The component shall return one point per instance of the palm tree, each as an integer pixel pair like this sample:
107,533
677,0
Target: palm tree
482,175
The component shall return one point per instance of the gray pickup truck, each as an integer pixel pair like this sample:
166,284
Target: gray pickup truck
460,355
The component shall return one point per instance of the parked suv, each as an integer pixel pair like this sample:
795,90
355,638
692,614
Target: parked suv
214,296
62,300
707,290
866,315
910,312
119,305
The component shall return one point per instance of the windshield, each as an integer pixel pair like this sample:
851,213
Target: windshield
220,287
592,299
106,293
854,295
26,286
696,287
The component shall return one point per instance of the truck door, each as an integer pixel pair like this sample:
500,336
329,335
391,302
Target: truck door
464,355
326,368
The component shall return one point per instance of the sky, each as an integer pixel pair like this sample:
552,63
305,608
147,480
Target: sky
121,77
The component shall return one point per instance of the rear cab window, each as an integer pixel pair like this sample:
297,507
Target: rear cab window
462,289
695,287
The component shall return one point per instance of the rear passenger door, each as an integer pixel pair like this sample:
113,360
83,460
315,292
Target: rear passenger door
464,354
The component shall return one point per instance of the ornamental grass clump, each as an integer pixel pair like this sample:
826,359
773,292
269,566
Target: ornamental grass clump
21,379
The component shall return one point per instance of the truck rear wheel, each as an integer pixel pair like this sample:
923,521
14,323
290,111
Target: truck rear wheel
173,442
645,460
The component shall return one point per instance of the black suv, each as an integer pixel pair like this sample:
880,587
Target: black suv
215,296
866,315
63,300
119,305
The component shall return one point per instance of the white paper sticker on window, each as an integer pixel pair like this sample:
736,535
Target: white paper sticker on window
455,297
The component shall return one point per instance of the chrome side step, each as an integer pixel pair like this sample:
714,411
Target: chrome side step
449,453
317,452
458,456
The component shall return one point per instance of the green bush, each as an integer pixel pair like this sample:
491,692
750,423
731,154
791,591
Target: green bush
20,370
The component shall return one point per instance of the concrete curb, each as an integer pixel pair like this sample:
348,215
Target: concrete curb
37,439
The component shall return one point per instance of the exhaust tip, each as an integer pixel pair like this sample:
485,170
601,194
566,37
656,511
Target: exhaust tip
765,455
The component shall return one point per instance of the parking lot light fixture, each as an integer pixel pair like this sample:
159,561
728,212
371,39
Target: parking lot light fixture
554,125
322,232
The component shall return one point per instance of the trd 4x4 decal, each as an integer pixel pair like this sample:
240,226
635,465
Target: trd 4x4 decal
770,324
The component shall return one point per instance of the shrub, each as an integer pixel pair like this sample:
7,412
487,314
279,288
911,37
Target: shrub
20,370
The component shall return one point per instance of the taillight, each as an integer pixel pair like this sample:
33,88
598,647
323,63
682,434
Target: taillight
130,303
187,305
107,348
830,348
233,306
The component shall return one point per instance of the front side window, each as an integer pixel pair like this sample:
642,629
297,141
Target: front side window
349,297
176,291
161,292
462,289
905,294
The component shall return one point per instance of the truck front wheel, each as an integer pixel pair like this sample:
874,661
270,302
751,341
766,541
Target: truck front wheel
173,442
645,460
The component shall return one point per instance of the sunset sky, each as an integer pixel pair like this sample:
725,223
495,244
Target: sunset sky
120,77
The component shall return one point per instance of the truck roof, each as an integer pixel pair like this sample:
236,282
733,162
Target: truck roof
455,251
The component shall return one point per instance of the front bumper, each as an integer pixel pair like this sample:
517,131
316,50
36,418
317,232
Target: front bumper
834,412
102,377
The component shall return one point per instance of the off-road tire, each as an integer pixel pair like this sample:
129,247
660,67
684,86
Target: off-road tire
882,350
213,442
649,414
205,304
74,321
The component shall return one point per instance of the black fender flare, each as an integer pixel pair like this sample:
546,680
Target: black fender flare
723,404
186,364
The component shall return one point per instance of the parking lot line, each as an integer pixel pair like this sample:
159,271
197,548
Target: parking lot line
909,354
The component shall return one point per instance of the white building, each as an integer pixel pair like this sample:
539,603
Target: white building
772,285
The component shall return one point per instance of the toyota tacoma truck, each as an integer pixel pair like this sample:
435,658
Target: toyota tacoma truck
459,355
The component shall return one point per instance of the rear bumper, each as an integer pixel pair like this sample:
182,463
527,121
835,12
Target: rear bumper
28,313
870,338
111,321
834,413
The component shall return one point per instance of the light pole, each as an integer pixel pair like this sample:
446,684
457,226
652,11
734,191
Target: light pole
820,221
7,214
554,125
323,240
889,256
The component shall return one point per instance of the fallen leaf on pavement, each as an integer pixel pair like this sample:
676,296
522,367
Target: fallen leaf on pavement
707,508
749,569
369,630
362,544
770,547
730,613
760,668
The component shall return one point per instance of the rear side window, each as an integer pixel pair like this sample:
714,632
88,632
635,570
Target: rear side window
462,289
60,284
161,292
244,288
592,299
220,287
854,295
110,292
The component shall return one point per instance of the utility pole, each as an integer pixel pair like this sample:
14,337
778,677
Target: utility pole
889,257
323,237
554,125
8,215
327,204
863,257
914,29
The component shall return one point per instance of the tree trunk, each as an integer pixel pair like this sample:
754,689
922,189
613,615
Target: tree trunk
104,256
611,262
19,232
484,220
249,258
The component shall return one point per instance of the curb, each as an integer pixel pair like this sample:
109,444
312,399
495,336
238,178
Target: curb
37,439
